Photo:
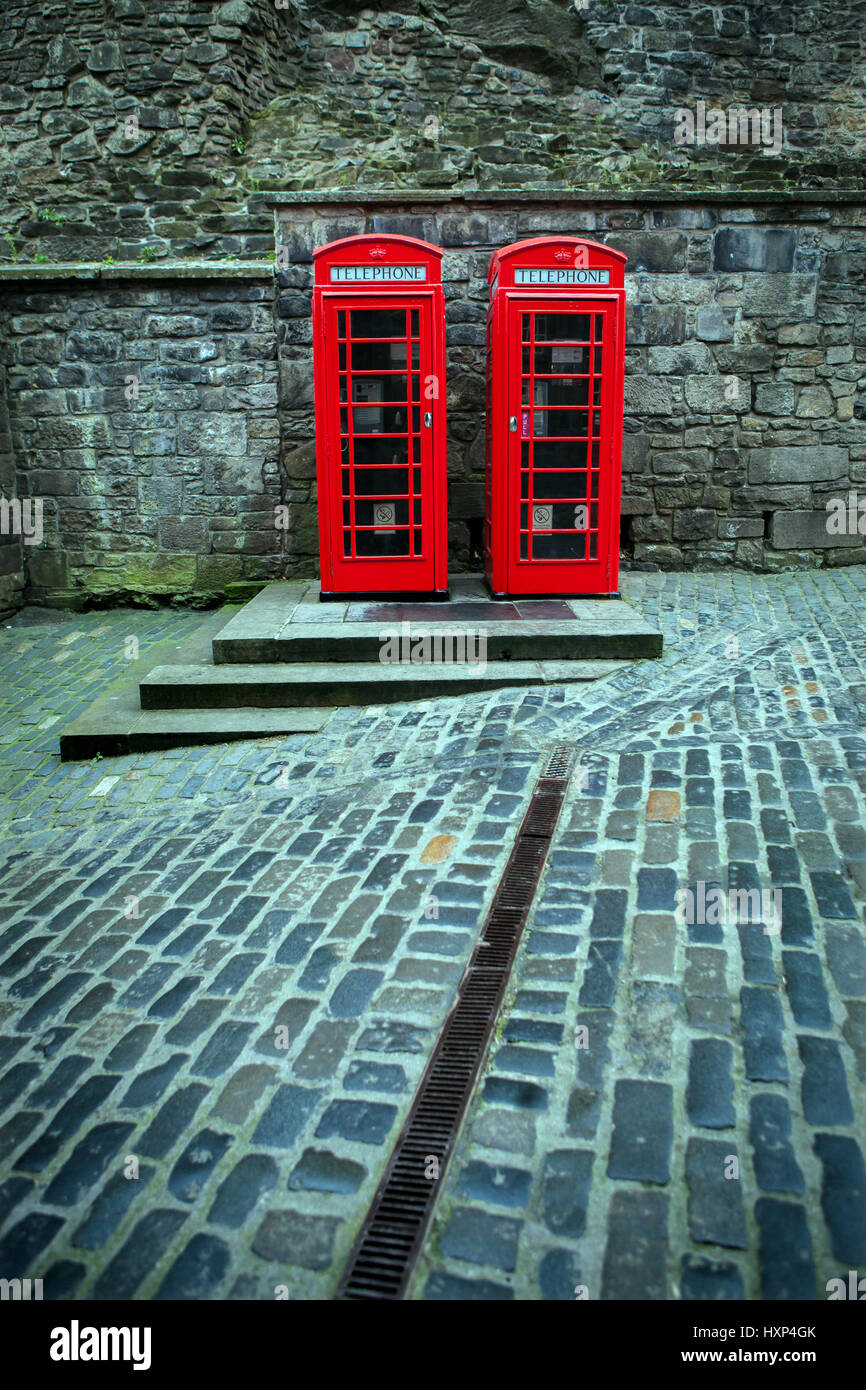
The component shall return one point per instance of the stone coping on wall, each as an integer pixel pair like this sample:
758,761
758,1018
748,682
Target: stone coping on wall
131,270
591,198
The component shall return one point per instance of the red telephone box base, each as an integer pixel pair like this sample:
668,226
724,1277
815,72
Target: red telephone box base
541,598
401,596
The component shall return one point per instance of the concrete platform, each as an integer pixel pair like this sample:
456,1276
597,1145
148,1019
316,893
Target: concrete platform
280,663
287,623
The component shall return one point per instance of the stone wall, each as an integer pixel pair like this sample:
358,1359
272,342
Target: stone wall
122,125
11,550
134,131
144,415
139,128
745,368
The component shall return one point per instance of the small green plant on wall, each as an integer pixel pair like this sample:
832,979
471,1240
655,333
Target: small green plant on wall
239,144
148,254
13,247
49,215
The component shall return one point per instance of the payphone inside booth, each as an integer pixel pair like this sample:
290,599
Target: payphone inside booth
379,363
555,380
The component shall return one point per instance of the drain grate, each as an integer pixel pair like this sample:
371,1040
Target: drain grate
390,1239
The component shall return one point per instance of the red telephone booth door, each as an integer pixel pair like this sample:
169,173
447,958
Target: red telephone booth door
560,382
380,505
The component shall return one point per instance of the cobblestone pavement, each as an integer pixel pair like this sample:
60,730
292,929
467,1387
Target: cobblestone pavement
224,969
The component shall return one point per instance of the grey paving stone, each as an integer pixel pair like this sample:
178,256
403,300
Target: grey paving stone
846,957
762,1022
642,1132
366,1122
140,1253
392,1035
66,1121
324,1050
292,1237
528,1061
87,1163
62,1280
652,1014
710,1089
110,1207
832,895
288,1112
600,977
785,1250
321,1171
559,1276
199,1018
716,1215
238,1194
171,1120
759,966
656,889
198,1270
843,1195
608,915
479,1237
854,1033
804,983
776,1167
354,993
192,1171
13,1191
704,1280
526,1095
25,1240
505,1129
500,1186
635,1256
823,1088
242,1092
147,1088
449,1287
565,1192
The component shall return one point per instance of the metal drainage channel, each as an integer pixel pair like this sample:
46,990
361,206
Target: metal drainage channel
384,1254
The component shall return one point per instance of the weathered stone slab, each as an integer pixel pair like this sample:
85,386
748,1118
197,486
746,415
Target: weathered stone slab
806,531
798,464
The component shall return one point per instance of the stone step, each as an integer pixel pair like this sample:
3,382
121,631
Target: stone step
362,642
286,623
299,685
134,730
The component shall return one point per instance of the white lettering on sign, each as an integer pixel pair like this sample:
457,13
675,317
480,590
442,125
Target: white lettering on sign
565,275
378,272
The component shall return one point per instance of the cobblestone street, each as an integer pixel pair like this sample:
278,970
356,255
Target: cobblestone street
225,967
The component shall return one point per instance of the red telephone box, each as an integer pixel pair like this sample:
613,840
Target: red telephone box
555,379
379,371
